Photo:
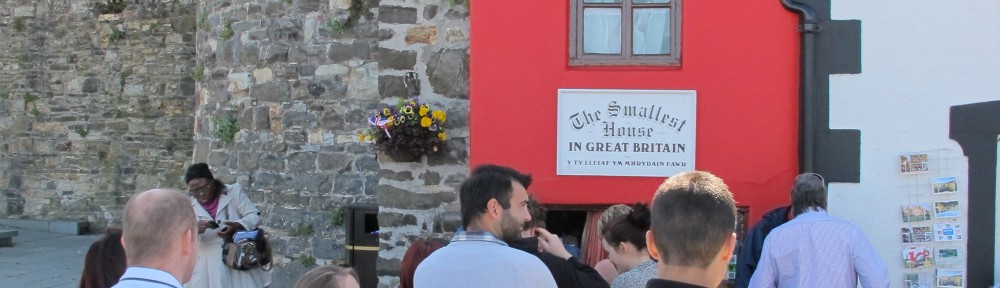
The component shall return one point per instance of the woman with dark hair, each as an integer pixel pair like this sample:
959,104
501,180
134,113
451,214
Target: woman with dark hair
221,210
105,261
328,276
625,240
414,255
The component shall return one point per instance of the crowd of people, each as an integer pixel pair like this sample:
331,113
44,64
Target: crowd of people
684,237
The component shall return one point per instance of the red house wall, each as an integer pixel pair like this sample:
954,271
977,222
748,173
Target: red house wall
740,56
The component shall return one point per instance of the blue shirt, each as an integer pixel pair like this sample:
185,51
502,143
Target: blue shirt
477,259
142,277
816,250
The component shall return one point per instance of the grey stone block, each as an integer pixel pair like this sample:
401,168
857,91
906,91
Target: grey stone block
448,72
396,14
400,60
389,196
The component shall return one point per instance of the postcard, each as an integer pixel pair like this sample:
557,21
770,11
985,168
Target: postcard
916,280
917,212
917,257
946,209
913,163
947,255
950,278
947,232
942,185
917,234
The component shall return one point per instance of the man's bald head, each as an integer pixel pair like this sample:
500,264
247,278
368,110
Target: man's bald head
152,220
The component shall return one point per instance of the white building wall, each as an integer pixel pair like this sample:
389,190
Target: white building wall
918,60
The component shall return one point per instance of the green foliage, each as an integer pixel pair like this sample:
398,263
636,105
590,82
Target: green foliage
199,72
122,76
357,10
119,114
81,131
19,25
336,26
337,217
109,6
28,97
203,21
226,130
163,42
152,26
22,58
116,35
34,111
303,229
307,260
456,2
288,1
4,94
227,31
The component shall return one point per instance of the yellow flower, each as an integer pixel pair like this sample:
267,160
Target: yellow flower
408,110
425,122
440,115
442,136
392,119
423,110
386,112
361,137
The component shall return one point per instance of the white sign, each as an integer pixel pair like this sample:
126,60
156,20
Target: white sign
625,132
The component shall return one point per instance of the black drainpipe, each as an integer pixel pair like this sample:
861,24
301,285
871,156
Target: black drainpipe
809,27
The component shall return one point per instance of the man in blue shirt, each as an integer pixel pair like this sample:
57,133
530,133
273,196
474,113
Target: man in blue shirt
815,249
159,234
494,208
753,243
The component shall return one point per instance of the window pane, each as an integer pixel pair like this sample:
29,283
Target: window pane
602,1
651,31
650,1
602,30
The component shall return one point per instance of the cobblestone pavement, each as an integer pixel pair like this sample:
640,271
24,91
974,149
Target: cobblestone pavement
42,259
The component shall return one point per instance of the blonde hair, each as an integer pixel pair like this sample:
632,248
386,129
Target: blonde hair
324,277
611,213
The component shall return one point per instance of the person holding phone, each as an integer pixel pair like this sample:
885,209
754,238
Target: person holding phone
221,210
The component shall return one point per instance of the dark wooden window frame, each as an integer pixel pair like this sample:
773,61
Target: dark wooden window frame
578,58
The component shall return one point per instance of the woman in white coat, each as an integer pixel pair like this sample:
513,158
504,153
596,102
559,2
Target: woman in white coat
221,210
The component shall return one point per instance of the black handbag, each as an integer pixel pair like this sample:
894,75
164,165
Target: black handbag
247,252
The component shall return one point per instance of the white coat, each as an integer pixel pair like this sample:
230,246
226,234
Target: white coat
209,270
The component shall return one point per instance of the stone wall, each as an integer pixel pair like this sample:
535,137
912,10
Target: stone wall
419,200
92,107
271,93
297,83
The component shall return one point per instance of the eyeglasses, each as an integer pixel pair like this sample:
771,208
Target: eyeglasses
201,190
818,176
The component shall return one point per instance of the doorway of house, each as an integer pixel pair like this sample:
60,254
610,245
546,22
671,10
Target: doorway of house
569,224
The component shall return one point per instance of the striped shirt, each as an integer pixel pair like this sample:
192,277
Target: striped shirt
816,250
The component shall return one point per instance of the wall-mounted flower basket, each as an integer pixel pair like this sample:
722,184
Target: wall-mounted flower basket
407,131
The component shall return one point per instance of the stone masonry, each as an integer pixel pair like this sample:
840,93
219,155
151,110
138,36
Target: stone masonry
420,200
92,107
271,93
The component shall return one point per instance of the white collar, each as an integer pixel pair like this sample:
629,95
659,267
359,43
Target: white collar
136,273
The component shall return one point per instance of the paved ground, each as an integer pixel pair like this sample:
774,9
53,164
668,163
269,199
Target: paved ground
42,259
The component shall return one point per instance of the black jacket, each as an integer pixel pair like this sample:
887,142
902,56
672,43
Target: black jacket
753,243
567,272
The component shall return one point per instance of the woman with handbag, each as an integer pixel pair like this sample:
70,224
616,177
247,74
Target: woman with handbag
221,210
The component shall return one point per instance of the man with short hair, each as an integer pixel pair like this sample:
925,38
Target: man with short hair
159,234
494,208
692,230
816,250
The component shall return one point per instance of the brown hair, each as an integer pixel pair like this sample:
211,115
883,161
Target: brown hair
611,213
105,261
150,224
693,216
629,228
324,277
416,253
537,213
